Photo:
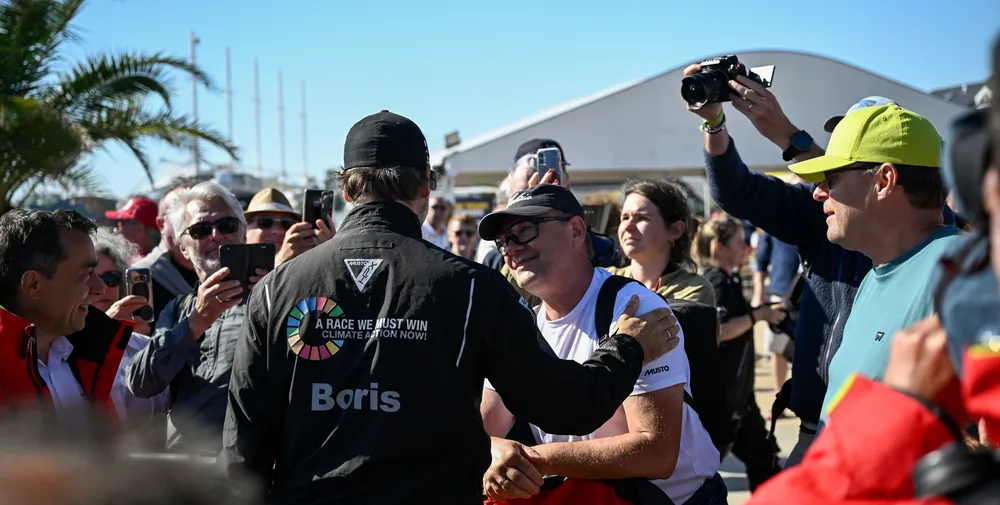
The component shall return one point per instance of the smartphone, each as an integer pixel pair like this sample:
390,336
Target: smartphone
312,206
550,159
139,282
243,259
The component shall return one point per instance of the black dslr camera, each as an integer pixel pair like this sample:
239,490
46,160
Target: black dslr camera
711,83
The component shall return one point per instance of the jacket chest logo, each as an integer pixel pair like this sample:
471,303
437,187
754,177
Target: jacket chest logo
362,270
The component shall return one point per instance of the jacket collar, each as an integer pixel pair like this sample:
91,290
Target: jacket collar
392,216
99,335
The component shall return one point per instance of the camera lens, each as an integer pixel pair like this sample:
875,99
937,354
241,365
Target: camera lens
703,87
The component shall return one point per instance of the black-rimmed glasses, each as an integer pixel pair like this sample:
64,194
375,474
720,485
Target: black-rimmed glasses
203,229
525,233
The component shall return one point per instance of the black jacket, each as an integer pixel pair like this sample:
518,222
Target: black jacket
324,412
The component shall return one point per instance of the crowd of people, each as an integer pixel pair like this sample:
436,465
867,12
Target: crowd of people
413,354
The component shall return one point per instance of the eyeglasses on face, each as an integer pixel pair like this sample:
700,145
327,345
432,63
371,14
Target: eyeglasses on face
525,233
465,233
266,223
203,229
111,278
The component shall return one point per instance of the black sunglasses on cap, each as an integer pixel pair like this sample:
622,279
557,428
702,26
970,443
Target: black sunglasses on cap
203,229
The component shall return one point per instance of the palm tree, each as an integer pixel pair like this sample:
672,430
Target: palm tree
51,120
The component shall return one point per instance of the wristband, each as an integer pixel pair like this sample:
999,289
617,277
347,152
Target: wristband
753,320
945,418
717,121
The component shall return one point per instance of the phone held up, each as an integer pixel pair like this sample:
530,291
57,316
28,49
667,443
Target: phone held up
312,206
550,159
139,282
243,260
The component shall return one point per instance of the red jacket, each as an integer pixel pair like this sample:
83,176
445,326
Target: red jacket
97,352
875,437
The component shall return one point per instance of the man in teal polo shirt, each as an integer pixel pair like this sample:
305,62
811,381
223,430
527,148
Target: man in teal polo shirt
881,188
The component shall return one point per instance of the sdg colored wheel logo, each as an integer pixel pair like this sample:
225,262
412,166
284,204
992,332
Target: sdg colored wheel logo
303,340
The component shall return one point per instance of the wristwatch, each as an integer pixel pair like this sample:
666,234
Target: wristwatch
801,142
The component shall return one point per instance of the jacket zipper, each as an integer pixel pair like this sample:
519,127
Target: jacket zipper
31,351
836,320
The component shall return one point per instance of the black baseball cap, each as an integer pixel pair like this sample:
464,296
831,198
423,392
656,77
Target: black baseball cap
530,202
386,140
533,145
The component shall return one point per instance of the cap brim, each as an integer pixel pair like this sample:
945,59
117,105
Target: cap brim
111,214
272,208
814,170
491,226
832,123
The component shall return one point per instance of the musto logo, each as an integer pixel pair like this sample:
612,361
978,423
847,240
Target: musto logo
308,336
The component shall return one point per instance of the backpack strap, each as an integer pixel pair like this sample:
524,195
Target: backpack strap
605,311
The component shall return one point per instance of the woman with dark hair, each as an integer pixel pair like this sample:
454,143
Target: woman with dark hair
655,234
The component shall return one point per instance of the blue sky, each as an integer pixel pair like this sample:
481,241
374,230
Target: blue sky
474,66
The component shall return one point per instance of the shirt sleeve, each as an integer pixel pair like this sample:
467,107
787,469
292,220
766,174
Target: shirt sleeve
667,370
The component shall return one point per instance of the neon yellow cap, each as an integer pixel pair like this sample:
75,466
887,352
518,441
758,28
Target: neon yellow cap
882,134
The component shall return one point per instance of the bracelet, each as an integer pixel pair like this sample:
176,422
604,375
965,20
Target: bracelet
710,128
753,320
945,418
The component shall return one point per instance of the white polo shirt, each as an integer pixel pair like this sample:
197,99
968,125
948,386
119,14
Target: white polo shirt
575,337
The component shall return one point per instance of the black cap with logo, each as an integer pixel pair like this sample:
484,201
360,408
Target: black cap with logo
386,140
530,202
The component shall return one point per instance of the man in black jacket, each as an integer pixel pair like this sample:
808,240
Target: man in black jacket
358,374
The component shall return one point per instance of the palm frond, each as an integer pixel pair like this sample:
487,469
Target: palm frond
132,126
80,180
106,81
31,33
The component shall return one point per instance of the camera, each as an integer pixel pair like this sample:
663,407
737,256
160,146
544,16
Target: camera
711,83
960,474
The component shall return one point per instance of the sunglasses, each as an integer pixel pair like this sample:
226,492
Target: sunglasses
465,233
266,223
111,278
439,207
204,229
526,234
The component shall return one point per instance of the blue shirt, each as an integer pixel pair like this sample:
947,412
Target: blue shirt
891,297
783,260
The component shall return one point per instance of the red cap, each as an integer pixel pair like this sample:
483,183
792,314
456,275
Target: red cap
139,209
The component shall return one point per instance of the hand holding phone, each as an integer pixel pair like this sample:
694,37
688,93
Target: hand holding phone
312,206
243,261
550,159
139,282
215,296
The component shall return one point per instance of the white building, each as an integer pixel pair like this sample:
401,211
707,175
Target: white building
642,129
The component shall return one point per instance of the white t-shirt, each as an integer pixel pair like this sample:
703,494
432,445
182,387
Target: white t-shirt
575,337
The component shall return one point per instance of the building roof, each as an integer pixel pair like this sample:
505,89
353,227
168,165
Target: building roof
964,94
643,127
